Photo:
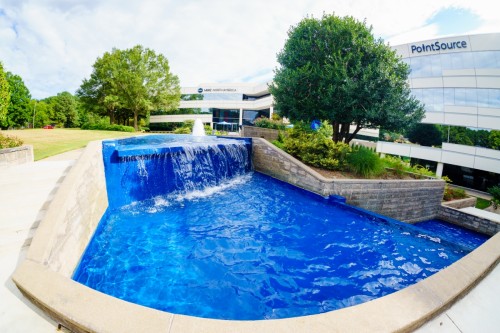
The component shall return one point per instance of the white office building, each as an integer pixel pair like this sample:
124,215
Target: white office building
458,80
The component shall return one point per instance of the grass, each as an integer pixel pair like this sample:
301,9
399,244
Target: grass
482,203
49,142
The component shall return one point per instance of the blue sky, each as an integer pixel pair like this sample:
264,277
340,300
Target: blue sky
52,44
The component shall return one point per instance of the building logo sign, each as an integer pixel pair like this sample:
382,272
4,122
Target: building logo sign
217,90
437,46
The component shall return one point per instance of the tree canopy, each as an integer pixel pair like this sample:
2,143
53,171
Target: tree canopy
4,95
19,111
130,82
334,69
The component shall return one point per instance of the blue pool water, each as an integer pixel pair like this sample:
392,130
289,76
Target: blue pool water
255,248
465,238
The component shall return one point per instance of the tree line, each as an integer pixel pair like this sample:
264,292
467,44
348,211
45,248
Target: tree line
124,87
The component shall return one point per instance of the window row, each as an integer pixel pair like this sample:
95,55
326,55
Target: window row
434,65
436,98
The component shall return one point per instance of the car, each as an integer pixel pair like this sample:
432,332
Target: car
48,127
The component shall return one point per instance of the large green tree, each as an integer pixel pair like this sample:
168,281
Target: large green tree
334,69
19,111
4,95
133,81
65,110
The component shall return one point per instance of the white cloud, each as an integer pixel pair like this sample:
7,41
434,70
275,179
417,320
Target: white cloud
52,44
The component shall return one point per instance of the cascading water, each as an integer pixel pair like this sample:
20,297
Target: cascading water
160,165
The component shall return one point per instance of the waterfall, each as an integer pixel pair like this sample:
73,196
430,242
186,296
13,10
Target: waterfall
145,169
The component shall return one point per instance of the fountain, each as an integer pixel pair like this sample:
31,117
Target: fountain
142,168
198,129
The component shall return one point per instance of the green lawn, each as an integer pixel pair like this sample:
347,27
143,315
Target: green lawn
49,142
482,203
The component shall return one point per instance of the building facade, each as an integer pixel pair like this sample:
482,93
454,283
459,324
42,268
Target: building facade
458,81
225,105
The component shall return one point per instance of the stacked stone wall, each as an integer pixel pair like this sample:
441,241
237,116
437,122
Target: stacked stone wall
468,221
405,200
259,132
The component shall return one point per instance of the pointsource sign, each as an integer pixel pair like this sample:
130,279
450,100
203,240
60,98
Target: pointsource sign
437,46
217,90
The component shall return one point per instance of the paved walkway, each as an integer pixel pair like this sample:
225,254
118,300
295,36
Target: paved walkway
26,190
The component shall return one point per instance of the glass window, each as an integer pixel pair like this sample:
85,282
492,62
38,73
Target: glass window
471,97
249,116
223,97
225,115
460,98
449,96
487,59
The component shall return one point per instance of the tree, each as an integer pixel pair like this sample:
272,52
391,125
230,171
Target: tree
133,81
334,69
65,110
494,140
19,112
41,112
425,135
4,95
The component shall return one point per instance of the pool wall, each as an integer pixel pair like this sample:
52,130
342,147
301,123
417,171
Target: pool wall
73,214
468,221
44,277
405,200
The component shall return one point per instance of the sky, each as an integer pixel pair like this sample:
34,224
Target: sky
53,44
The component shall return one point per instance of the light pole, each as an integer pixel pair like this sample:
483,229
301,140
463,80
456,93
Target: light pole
34,112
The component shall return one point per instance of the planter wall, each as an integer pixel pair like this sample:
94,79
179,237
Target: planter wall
405,200
15,156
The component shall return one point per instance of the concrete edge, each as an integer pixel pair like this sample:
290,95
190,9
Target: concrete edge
85,310
65,211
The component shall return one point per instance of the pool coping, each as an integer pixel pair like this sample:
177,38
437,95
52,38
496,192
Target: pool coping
82,309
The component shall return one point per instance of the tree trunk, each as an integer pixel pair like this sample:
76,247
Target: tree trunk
135,119
111,113
336,129
358,128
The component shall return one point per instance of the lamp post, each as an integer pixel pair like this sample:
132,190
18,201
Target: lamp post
34,112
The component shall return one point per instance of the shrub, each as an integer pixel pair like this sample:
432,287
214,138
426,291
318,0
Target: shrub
10,141
451,193
264,122
314,148
364,162
495,192
107,127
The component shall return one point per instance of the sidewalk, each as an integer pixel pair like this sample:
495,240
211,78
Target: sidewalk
25,191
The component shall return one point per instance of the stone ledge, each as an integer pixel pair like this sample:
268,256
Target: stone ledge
17,155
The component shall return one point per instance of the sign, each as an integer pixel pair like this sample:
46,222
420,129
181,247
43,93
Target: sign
217,90
437,46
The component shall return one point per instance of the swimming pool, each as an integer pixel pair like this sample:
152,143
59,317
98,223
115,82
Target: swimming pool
252,247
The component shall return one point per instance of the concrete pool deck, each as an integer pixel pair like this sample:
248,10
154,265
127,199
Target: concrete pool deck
36,184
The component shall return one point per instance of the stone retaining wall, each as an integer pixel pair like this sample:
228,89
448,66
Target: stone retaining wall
405,200
461,203
468,221
259,132
15,156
